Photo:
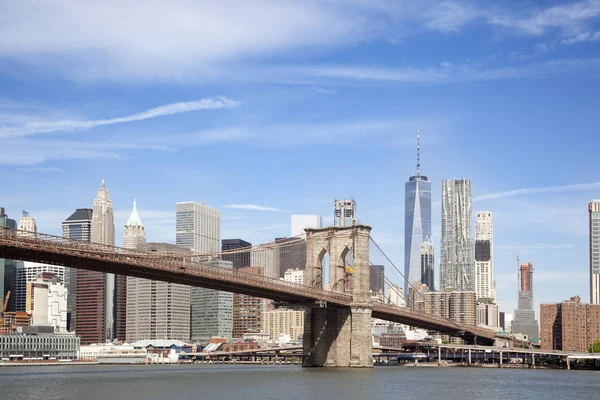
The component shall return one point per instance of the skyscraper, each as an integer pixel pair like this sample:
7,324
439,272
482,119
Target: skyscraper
138,291
198,227
157,309
344,212
239,260
524,321
27,225
96,308
78,226
417,221
457,269
594,210
484,256
427,264
134,234
212,310
103,222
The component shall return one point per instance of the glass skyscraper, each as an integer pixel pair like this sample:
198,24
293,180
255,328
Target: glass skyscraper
417,222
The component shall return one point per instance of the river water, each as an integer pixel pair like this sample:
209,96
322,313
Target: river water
292,382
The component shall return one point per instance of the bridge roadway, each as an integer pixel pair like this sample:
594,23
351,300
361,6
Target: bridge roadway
56,250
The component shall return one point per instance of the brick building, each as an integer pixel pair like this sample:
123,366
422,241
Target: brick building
570,325
247,310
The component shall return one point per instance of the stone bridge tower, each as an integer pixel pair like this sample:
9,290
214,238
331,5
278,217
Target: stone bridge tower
339,336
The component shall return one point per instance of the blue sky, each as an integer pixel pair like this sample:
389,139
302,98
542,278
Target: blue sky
265,109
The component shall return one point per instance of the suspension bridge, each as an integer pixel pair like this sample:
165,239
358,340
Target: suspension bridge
337,300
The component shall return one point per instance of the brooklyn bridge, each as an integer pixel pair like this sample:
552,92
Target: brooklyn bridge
337,328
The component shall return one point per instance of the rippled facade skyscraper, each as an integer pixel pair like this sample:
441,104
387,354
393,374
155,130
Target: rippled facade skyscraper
457,266
417,221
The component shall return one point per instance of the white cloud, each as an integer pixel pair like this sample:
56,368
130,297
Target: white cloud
527,191
42,169
450,16
252,207
445,73
33,127
582,37
172,39
568,17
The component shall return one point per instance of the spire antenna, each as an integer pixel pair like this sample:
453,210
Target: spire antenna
418,152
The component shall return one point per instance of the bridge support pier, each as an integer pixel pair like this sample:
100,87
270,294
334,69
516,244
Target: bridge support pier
338,337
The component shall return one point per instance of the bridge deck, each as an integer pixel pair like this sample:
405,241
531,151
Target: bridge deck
56,250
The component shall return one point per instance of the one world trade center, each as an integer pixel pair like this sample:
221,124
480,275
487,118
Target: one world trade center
417,227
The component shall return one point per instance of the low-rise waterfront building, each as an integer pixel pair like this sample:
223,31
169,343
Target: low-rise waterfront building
38,344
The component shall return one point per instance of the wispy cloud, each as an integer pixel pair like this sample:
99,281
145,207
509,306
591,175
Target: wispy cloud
451,16
446,72
582,37
528,191
69,125
568,17
42,169
252,207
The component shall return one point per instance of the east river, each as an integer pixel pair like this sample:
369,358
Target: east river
292,382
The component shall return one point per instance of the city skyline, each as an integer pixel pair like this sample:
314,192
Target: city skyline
281,122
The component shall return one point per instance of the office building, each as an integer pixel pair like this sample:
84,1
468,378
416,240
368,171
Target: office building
139,298
7,267
78,226
457,269
427,252
155,309
247,310
240,259
344,213
27,225
458,306
301,222
95,306
488,315
416,292
283,322
417,221
294,276
212,313
569,326
266,257
198,227
292,254
502,320
484,256
134,234
158,310
28,272
594,212
524,321
377,279
47,302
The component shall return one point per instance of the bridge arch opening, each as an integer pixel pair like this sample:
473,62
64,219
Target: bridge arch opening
347,263
324,260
